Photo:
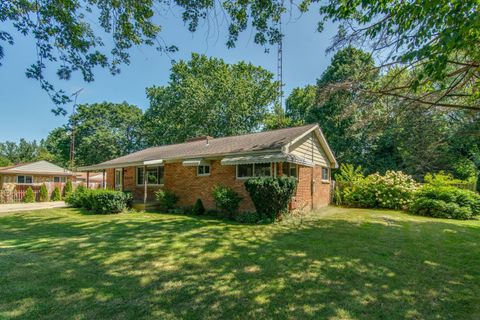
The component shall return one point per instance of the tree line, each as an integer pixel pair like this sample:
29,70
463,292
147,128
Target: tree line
206,96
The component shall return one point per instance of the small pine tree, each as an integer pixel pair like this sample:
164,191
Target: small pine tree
56,195
198,208
43,196
68,187
29,196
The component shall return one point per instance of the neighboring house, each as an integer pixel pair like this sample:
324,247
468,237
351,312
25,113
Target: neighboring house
193,168
33,174
95,181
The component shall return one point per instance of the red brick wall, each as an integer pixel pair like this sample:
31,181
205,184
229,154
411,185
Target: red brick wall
184,182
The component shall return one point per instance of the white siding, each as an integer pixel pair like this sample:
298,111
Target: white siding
309,148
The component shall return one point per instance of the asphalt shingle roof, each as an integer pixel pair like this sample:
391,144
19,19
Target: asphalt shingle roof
259,141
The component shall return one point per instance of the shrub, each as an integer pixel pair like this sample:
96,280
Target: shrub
198,208
226,199
43,194
394,190
80,198
68,187
128,199
446,202
107,201
56,194
29,196
271,196
167,199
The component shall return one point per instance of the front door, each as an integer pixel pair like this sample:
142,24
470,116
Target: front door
118,179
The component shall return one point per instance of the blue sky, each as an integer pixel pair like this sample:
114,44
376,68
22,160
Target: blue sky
25,108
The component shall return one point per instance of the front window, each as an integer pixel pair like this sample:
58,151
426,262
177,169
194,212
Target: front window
59,179
262,169
325,175
203,170
289,169
254,170
154,176
24,179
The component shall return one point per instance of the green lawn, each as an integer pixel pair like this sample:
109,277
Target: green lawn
334,264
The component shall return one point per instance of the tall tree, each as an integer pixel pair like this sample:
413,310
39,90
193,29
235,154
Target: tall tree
338,111
23,151
300,102
206,96
102,131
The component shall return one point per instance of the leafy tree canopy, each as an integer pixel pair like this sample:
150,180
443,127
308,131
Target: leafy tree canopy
22,152
206,96
102,131
72,34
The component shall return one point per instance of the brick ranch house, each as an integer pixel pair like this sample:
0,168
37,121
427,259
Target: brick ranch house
191,169
18,178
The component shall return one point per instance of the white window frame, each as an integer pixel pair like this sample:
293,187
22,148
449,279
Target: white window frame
150,184
60,179
203,174
289,172
253,171
328,174
25,179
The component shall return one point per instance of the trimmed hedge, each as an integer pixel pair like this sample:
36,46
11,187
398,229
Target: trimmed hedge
167,199
198,208
29,196
99,201
43,194
271,196
68,187
226,199
56,194
446,202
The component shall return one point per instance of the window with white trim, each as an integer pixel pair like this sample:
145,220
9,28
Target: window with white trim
325,174
24,179
59,179
155,176
289,169
203,170
245,171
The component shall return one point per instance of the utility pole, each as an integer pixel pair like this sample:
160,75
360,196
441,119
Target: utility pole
280,63
72,141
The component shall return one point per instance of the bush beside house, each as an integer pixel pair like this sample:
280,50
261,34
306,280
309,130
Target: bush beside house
271,196
98,201
56,194
29,196
43,194
226,199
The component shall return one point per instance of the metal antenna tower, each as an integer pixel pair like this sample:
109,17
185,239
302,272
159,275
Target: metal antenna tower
72,141
280,63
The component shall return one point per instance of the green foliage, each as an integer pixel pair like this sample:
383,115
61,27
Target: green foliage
443,179
107,201
56,194
103,131
4,161
207,96
198,208
23,151
440,201
394,190
68,187
226,199
300,102
271,196
29,196
437,41
347,176
43,194
168,199
98,201
277,119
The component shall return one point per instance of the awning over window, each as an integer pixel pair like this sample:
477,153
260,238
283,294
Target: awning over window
266,158
195,163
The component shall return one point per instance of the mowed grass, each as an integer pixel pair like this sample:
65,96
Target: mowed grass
334,264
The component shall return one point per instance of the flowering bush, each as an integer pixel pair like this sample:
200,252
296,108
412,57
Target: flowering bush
394,190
